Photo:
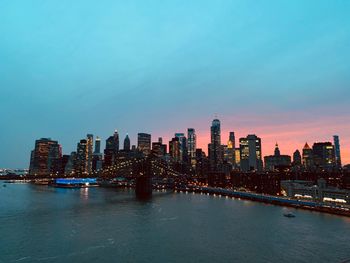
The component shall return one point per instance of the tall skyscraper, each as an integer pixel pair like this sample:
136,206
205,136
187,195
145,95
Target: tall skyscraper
183,147
116,141
191,143
307,157
97,145
337,151
214,148
323,156
127,143
250,153
45,157
144,143
297,158
90,142
82,157
230,150
174,149
97,159
111,150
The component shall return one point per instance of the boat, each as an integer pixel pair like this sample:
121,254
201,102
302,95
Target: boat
290,215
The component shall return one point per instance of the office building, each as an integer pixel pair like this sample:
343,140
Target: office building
127,143
337,151
215,149
45,157
277,162
144,143
250,154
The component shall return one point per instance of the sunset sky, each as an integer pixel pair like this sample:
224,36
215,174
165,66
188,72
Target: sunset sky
278,69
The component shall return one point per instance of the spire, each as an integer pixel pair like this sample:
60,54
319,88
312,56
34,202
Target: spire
277,150
306,147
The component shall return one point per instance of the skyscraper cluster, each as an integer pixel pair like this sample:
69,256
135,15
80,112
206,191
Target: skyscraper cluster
183,154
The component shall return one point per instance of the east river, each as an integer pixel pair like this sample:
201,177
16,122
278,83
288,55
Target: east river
45,224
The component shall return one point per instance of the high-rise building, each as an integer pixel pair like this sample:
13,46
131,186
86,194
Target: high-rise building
111,150
323,156
71,164
45,157
183,147
230,150
127,143
297,158
97,145
144,143
174,149
191,143
97,158
89,145
307,157
337,151
82,157
214,148
277,162
158,148
250,153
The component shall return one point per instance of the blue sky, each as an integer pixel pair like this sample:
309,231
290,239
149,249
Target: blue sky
68,68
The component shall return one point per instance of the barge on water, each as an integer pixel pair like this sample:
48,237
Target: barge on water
74,182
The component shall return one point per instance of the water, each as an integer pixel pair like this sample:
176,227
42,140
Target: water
44,224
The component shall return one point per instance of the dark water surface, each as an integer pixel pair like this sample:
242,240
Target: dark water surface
44,224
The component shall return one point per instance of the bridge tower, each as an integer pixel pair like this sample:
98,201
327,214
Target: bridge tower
143,187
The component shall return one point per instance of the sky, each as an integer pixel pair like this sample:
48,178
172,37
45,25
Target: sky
278,69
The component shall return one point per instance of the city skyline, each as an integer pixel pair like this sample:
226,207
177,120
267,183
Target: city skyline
203,139
279,70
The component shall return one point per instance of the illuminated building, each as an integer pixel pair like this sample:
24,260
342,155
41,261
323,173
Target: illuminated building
183,147
238,157
127,143
97,159
158,148
307,157
112,148
45,157
250,154
323,156
214,148
97,145
230,154
144,143
277,162
191,144
337,151
174,149
90,142
82,158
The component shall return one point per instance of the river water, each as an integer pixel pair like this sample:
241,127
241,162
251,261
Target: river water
45,224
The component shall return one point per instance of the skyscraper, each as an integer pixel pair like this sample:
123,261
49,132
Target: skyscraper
144,143
127,143
230,150
82,157
45,157
307,157
90,142
323,156
97,145
183,147
174,149
97,158
250,153
297,158
214,148
116,141
191,143
337,151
